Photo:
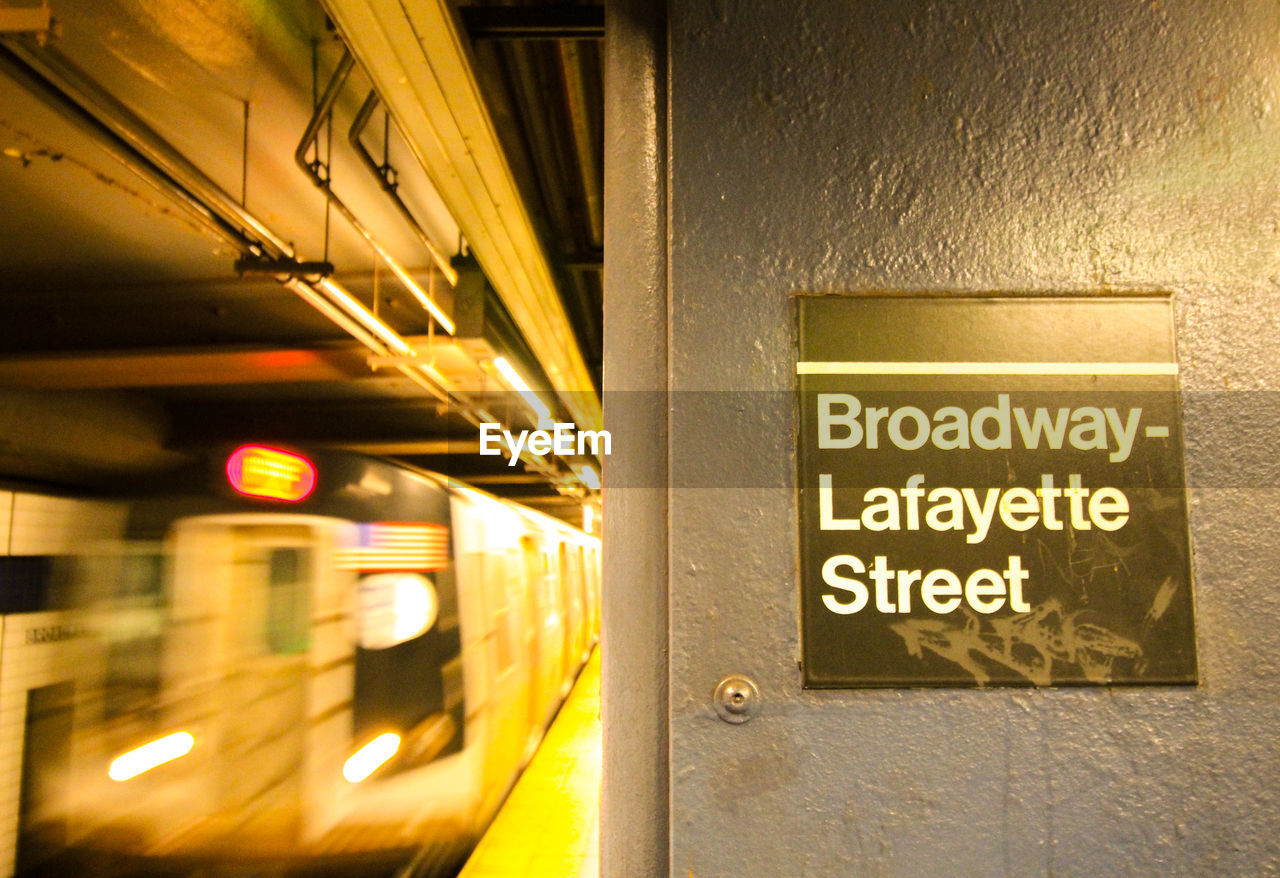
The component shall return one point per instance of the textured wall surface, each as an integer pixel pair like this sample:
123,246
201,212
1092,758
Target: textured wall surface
1079,146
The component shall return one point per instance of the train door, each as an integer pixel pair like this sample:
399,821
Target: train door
591,563
247,590
265,696
571,598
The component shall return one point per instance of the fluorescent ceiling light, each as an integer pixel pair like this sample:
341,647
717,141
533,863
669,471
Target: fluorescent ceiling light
519,386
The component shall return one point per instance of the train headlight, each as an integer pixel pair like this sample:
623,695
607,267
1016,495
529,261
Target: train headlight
370,757
148,756
395,607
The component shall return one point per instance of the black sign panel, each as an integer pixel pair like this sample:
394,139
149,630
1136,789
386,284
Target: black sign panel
991,493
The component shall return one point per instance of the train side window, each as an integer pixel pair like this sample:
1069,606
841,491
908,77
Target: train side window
288,610
570,592
532,569
533,561
562,567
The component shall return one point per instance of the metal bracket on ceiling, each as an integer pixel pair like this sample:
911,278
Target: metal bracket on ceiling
313,169
377,362
37,21
284,268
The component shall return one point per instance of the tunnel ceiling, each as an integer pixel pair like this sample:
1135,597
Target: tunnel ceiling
151,204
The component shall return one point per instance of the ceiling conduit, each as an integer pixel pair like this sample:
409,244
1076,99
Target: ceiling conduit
128,139
387,181
319,174
418,63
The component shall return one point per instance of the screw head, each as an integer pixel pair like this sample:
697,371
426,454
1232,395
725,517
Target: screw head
736,699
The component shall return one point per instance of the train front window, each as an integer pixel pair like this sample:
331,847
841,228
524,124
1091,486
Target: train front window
288,586
134,634
267,585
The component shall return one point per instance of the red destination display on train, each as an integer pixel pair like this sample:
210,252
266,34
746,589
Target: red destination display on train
991,493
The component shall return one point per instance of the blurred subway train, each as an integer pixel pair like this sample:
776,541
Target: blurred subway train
280,662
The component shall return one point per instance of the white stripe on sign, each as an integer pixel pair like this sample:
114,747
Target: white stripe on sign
816,367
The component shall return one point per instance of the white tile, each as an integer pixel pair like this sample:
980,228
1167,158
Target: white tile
41,525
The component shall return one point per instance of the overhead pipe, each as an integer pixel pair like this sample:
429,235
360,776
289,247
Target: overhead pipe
323,111
137,152
528,87
533,22
418,59
576,99
383,172
546,149
61,75
137,146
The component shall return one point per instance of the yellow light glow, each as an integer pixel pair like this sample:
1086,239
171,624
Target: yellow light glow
423,299
415,607
370,757
509,373
365,317
519,386
588,517
148,756
435,375
395,607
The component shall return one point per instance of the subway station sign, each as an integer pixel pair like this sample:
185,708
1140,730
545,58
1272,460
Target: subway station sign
991,493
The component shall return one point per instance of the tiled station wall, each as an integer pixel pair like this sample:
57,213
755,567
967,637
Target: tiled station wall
35,531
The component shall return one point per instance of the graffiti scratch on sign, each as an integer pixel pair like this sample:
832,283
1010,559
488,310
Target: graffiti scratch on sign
1027,644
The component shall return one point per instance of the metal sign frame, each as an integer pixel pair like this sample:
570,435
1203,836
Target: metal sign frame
991,492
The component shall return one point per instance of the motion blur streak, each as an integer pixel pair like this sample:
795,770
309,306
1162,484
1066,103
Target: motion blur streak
366,669
148,756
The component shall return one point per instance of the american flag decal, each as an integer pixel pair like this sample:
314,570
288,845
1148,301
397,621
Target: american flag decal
397,545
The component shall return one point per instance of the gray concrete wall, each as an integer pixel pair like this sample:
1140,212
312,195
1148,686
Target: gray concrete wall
1078,146
633,644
